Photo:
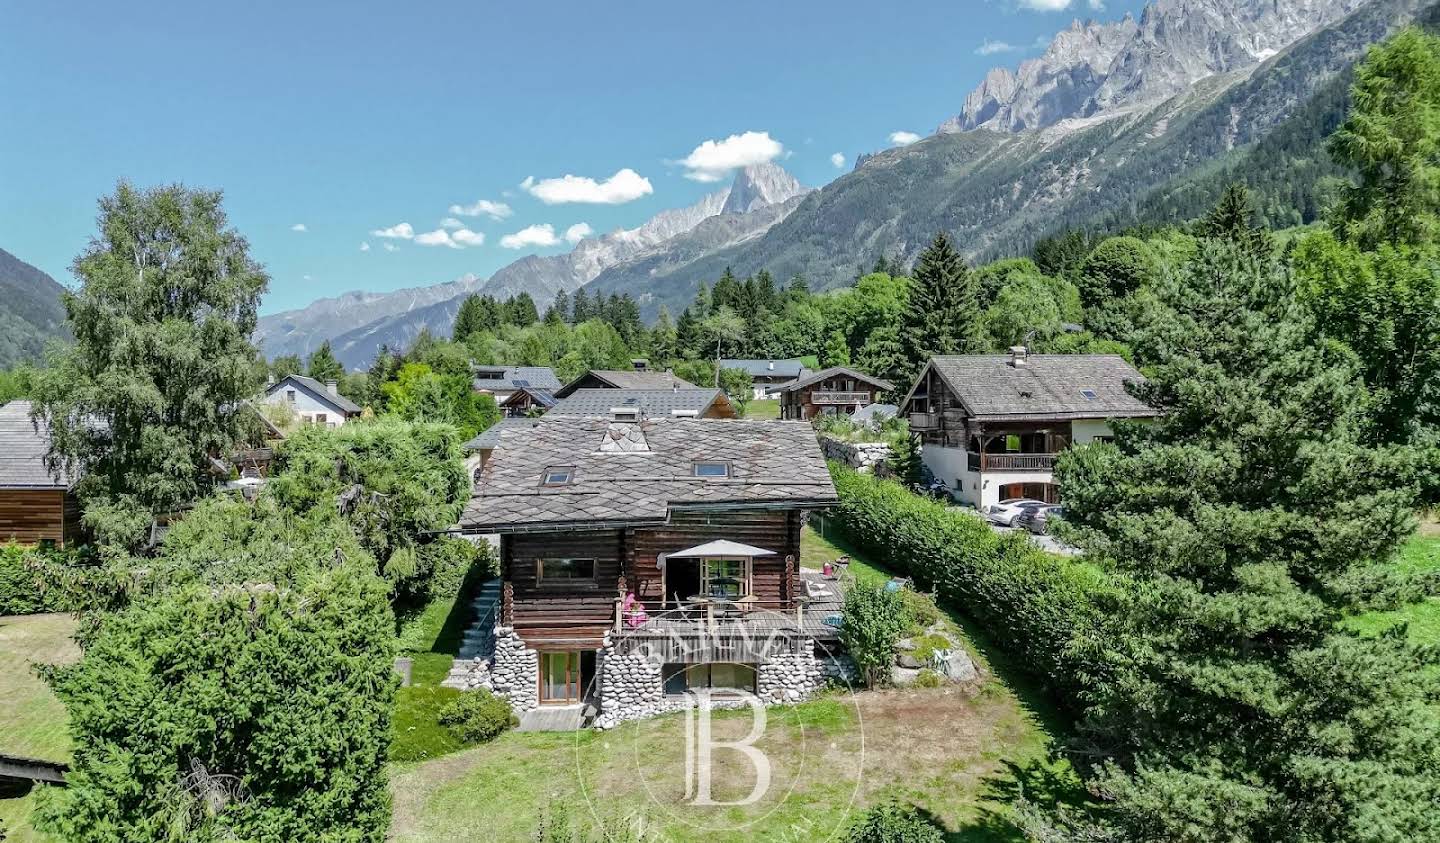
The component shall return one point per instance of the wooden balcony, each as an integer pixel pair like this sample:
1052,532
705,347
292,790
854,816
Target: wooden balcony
924,421
835,397
1017,462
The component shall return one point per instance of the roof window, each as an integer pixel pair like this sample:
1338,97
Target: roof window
712,469
558,475
1089,394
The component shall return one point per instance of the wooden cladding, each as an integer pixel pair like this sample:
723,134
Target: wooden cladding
32,516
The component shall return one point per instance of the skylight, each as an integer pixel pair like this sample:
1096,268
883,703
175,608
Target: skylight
712,469
1089,394
558,475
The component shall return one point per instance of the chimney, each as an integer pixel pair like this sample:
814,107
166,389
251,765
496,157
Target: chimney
1018,353
771,366
332,387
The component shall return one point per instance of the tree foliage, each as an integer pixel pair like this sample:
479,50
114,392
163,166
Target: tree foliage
942,313
873,620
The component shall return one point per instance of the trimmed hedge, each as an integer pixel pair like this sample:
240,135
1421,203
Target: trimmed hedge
23,586
1033,604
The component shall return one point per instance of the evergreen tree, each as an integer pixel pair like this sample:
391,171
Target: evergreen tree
727,292
521,311
286,364
942,315
1230,220
1241,527
469,318
583,311
906,461
156,381
1391,139
837,351
322,365
688,340
561,306
663,338
1062,254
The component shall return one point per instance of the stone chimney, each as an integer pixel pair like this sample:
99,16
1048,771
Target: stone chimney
1018,355
332,387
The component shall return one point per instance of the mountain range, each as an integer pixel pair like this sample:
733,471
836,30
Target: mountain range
31,313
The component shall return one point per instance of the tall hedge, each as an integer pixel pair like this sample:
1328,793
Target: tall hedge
1033,604
24,589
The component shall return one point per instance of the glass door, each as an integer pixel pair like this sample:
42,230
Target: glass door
559,678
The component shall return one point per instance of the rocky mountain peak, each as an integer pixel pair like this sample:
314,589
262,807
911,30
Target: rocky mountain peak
1096,69
759,185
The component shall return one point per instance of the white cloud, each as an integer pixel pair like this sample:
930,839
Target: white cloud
391,247
990,48
299,226
535,235
577,232
401,231
838,159
1045,5
466,237
626,185
483,207
451,222
712,160
903,138
364,247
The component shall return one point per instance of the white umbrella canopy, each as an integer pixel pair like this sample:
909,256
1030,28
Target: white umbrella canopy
720,547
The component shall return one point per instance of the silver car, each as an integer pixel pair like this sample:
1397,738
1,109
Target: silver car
1007,512
1040,520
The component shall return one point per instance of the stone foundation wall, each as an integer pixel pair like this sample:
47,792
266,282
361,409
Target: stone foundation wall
862,456
514,672
789,677
840,670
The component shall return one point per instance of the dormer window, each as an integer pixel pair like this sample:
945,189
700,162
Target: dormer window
625,414
712,469
1089,394
558,475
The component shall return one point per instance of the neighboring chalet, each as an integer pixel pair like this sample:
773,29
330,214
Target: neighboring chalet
36,505
828,392
644,559
504,381
526,401
765,374
640,404
311,401
622,379
479,449
992,424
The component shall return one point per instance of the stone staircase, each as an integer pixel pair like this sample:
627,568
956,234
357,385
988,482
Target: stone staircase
478,643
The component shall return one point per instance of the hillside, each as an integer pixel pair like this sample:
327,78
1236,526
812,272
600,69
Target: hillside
997,192
31,313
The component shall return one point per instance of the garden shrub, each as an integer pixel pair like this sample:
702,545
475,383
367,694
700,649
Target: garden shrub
921,609
25,581
1032,603
928,678
477,716
894,824
873,620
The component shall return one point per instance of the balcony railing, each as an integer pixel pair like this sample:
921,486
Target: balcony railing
1017,462
924,421
832,397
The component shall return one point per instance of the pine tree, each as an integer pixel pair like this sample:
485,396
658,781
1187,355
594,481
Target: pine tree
521,311
1241,527
561,306
469,318
322,365
837,351
942,315
583,310
663,338
1230,220
727,292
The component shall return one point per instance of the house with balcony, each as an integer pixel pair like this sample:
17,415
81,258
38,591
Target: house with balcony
640,378
766,374
642,559
833,391
991,425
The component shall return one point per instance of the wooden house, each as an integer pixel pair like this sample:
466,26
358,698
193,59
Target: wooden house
646,403
766,374
837,390
623,379
991,425
673,537
37,506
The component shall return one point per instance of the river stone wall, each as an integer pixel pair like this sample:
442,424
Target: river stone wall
514,672
861,456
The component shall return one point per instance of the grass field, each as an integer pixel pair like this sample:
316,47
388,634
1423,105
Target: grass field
1421,555
961,755
764,408
32,720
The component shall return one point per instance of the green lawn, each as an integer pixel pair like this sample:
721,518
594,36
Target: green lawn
763,408
961,754
1420,555
32,720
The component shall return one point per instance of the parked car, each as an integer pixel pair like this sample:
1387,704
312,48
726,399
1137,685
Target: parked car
1040,520
1006,512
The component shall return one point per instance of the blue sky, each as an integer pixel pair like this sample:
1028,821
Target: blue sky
350,118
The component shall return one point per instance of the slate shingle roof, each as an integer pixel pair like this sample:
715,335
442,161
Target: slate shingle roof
772,463
22,452
490,436
518,377
1046,386
544,398
319,390
767,368
597,403
622,379
833,371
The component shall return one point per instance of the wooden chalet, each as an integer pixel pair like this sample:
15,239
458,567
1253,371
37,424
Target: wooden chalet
696,521
37,506
623,379
833,391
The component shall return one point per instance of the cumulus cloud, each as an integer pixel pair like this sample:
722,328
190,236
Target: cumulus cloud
838,159
903,138
400,231
1045,5
451,222
990,48
534,235
299,226
466,237
712,160
364,247
625,186
391,247
577,232
483,208
457,239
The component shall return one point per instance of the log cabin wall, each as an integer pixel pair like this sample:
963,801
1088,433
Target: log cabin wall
563,615
800,404
769,529
30,516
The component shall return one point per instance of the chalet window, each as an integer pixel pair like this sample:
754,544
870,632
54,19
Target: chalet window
726,578
712,469
1089,394
290,395
564,569
719,676
558,475
319,418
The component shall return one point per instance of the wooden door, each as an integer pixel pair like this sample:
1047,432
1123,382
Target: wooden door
560,678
